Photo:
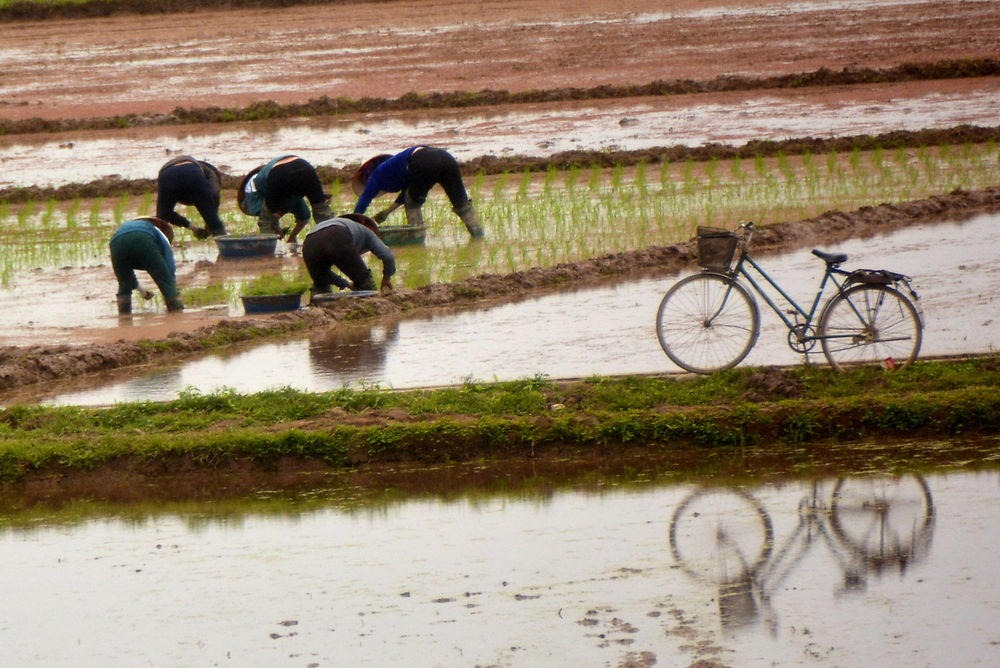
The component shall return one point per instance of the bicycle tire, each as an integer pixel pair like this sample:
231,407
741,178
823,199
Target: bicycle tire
885,520
721,535
707,322
869,324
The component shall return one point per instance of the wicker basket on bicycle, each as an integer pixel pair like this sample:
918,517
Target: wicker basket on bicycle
716,248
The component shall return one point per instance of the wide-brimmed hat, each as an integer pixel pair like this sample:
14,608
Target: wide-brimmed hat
364,220
161,225
361,176
241,192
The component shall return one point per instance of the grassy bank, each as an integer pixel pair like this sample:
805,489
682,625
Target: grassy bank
801,410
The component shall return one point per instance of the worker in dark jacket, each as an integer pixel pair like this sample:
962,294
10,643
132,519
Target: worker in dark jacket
193,182
412,173
340,242
144,243
282,186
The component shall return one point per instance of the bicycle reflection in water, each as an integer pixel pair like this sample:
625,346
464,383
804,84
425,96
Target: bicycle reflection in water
869,524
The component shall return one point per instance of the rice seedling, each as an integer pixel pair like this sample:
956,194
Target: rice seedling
564,216
49,215
25,213
119,210
146,205
94,215
209,295
71,213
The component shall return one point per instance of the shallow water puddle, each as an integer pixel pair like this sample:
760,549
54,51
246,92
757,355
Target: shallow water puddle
526,579
530,130
608,330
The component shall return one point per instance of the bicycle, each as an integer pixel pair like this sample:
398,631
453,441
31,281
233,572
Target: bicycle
869,524
709,321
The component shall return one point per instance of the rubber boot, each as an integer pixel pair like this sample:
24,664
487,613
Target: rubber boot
124,304
175,304
414,214
322,211
267,222
468,214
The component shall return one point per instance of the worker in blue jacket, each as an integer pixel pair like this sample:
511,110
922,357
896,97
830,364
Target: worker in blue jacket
412,173
144,243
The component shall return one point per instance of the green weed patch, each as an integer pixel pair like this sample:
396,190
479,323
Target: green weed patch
519,419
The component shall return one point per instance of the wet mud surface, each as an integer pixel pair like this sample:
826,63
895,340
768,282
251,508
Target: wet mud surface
117,65
194,333
107,67
608,571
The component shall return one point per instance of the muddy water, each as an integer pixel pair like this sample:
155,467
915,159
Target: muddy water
605,330
593,576
528,130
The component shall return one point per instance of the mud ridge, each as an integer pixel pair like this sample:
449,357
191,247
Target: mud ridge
116,185
327,106
30,10
22,366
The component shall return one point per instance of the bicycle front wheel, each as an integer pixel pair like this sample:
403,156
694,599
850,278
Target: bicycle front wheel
869,324
707,322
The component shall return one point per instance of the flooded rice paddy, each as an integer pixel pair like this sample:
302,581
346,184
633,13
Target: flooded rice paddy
602,330
838,572
527,130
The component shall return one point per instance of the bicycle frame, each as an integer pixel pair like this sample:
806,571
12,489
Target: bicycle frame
710,321
828,277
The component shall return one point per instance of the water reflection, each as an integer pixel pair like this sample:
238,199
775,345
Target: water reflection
348,352
868,525
529,570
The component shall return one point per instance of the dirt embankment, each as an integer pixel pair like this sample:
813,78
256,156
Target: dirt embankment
112,186
31,10
20,367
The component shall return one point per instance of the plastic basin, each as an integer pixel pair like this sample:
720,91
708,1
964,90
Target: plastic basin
246,245
401,235
271,303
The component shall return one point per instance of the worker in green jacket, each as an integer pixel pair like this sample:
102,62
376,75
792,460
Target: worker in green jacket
283,186
144,243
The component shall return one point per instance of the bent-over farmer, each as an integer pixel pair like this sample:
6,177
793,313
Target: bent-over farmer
412,173
340,242
282,186
197,183
144,243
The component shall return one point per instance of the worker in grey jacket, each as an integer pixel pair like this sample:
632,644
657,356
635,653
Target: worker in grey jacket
340,242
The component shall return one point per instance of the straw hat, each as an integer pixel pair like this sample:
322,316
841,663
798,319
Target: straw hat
364,172
161,225
241,194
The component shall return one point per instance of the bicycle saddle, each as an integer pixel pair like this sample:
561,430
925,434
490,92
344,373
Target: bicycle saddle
832,259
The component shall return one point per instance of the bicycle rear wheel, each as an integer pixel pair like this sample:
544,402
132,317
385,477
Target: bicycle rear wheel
869,324
707,322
